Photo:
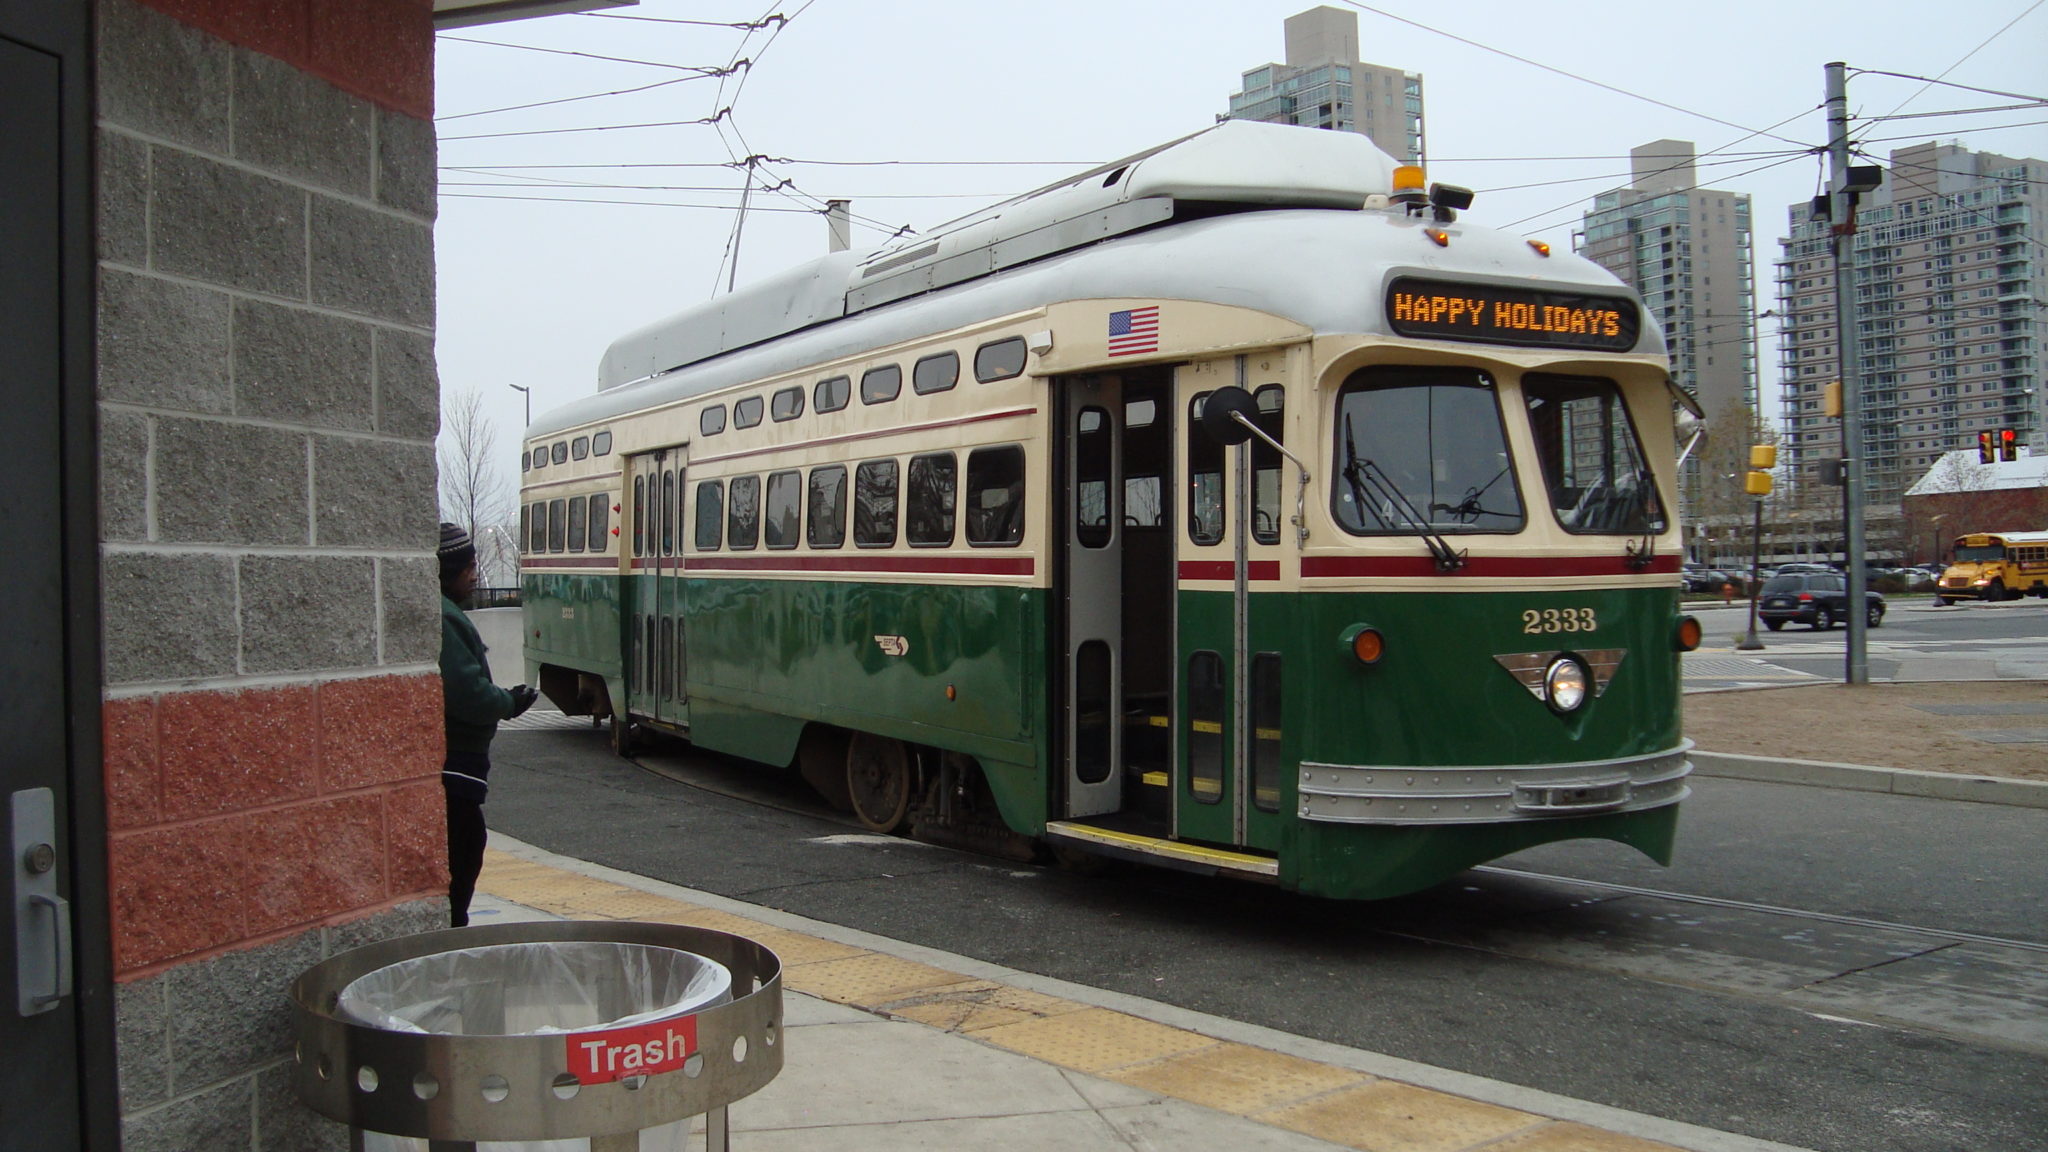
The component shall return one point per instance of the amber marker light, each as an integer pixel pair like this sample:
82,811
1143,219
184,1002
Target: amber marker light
1541,248
1442,238
1687,637
1408,178
952,693
1365,643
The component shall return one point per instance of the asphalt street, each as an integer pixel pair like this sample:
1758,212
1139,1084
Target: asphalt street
1876,1029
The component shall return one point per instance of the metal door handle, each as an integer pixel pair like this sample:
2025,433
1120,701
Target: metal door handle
60,911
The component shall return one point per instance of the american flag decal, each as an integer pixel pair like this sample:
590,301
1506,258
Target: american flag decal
1133,331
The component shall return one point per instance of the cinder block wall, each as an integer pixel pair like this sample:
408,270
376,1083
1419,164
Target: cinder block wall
268,404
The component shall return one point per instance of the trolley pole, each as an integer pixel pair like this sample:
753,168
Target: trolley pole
1842,228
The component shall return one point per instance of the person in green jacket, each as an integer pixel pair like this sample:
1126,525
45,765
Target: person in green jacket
472,706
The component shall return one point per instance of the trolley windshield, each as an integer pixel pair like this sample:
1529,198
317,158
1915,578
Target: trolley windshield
1422,450
1591,459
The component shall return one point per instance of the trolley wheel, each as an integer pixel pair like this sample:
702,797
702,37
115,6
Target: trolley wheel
1823,620
878,781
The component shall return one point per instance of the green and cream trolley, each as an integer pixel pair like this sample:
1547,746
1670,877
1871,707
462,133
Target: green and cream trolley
1232,507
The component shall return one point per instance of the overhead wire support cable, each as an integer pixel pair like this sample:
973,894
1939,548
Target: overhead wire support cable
742,26
1889,117
722,113
1573,75
1951,84
2007,27
585,55
588,96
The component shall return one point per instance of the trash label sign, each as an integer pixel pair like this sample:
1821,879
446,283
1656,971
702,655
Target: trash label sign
642,1050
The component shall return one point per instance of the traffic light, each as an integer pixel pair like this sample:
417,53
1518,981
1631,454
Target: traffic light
1987,448
2008,445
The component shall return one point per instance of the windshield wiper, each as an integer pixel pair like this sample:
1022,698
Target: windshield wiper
1369,482
1469,509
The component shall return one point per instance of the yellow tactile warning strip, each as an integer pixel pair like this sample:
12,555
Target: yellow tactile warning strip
1324,1101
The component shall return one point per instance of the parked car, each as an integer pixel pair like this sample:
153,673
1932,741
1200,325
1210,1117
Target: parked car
1815,598
1710,580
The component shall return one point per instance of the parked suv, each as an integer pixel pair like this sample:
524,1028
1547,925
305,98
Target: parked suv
1816,598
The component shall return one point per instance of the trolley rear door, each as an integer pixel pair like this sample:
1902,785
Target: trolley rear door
655,622
1228,765
1116,585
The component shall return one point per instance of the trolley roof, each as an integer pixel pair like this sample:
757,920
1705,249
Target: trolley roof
1253,215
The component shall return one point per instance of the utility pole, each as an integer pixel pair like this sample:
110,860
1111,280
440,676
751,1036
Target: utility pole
1845,184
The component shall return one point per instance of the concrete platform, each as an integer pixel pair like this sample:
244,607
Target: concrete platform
892,1045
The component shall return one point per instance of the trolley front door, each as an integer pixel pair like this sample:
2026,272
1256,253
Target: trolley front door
1093,522
1228,785
656,623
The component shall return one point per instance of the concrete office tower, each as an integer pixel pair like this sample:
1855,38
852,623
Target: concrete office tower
1950,278
1688,250
1325,85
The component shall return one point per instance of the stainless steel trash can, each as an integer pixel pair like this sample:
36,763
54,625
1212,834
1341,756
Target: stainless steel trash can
630,1050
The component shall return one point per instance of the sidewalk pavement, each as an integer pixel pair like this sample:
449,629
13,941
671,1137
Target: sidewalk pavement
896,1046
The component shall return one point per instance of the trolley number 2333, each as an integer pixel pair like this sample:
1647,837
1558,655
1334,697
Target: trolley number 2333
1538,621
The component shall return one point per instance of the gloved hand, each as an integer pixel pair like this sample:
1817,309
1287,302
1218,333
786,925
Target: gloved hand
522,699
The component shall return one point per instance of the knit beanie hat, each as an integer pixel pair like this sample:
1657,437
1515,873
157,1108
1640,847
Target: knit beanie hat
456,551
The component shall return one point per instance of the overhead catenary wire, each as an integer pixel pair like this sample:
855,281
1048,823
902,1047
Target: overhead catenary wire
585,55
575,99
2007,27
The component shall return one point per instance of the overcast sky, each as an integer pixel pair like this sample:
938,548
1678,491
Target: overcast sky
531,292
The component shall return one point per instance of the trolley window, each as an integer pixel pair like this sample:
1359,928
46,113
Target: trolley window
999,360
579,523
1205,479
1592,462
874,504
1207,707
995,496
935,373
525,529
558,514
710,514
743,515
540,457
1272,405
826,525
601,444
880,385
1094,459
930,489
746,413
831,395
711,421
1266,764
579,448
788,404
666,513
779,510
538,541
639,515
560,452
600,522
525,462
1422,450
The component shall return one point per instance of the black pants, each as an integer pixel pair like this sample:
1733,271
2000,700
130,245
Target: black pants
465,779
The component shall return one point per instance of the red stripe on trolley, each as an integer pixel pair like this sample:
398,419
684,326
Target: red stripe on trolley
569,562
943,565
1227,570
1525,566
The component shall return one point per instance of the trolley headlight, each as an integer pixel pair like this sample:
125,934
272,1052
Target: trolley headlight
1365,643
1564,684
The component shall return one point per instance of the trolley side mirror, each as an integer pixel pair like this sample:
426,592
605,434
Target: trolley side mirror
1218,415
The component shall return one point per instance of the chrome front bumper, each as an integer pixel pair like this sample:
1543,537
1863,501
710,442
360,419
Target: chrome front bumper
1498,794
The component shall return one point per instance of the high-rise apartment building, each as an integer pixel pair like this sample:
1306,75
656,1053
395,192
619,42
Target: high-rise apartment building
1949,275
1325,85
1688,251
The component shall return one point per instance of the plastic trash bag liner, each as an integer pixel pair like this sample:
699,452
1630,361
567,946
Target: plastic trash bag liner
531,990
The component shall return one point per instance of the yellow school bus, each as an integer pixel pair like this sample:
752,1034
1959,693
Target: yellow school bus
1996,566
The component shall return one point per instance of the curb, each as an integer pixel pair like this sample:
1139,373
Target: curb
1863,778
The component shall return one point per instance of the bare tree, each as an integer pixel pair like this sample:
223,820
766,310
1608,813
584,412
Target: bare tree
474,493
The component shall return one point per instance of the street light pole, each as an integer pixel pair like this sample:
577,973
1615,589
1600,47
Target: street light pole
523,390
1749,642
